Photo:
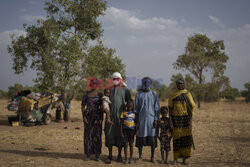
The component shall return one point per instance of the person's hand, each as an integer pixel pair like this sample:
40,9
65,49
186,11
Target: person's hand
110,122
122,135
85,120
155,124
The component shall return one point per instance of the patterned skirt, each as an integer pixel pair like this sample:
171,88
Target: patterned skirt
165,143
182,137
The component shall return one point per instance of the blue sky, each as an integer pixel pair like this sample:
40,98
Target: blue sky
147,34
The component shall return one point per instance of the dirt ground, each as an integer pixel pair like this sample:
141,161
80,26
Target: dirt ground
221,136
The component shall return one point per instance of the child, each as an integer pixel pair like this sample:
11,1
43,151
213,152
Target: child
105,104
128,129
165,133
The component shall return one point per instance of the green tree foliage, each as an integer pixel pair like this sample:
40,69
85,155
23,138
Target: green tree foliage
161,89
59,47
190,83
246,93
230,93
202,55
211,90
13,90
101,62
3,94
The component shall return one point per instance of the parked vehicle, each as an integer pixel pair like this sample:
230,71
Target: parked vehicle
35,111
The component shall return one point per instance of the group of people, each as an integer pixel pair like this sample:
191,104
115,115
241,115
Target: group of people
127,118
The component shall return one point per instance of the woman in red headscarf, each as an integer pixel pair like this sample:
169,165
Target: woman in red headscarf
92,118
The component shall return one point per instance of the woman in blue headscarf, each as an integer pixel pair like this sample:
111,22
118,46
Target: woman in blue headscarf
147,110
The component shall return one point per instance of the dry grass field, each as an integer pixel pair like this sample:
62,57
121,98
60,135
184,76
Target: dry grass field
221,135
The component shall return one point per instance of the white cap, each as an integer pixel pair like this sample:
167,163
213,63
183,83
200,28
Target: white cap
116,75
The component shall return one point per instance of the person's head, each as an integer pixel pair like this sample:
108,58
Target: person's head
107,92
130,105
146,83
180,84
164,111
94,84
116,78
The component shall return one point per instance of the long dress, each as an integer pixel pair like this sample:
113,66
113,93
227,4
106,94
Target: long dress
93,130
118,97
182,129
147,109
165,134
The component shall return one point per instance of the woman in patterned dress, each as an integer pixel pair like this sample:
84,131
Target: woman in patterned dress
92,118
181,107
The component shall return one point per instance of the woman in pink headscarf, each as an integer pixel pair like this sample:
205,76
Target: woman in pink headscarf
92,118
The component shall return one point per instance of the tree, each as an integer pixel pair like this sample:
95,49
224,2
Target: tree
190,84
13,90
246,93
57,46
3,94
212,89
100,62
230,93
202,55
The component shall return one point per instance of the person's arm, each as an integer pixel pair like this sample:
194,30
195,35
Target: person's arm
191,101
156,110
170,108
84,102
127,95
122,121
157,130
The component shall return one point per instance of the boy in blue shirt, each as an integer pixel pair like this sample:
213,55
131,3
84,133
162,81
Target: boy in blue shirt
128,129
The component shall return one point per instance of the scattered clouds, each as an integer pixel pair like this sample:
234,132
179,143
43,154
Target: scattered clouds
217,21
127,20
149,46
31,18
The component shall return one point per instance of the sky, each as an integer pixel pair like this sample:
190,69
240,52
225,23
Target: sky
148,35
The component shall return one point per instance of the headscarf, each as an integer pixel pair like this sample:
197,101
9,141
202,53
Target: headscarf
180,84
146,83
178,91
120,81
94,83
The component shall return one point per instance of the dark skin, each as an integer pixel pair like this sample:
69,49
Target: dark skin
130,107
164,114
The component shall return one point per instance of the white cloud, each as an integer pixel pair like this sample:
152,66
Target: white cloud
31,18
149,46
217,21
127,20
